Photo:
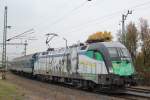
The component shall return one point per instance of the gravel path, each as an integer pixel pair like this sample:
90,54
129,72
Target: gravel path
36,90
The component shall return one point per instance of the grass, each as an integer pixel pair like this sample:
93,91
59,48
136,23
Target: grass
9,91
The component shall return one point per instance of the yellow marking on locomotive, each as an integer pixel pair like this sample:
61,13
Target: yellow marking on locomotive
87,64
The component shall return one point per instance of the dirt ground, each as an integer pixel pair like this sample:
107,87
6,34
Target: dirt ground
36,90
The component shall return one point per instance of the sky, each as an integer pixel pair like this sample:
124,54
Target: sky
73,19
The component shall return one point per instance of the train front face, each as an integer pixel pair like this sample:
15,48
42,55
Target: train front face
122,69
119,64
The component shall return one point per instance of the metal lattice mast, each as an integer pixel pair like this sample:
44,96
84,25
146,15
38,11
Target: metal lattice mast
4,39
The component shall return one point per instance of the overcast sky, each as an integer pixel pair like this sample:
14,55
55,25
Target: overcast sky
73,19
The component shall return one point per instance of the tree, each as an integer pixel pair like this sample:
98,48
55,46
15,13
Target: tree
132,39
145,38
100,37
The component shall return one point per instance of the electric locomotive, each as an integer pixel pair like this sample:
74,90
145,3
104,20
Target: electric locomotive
97,65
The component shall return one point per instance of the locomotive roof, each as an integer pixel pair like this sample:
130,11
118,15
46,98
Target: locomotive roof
113,44
107,44
88,46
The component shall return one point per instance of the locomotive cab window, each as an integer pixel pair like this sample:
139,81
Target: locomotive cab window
90,54
98,56
94,55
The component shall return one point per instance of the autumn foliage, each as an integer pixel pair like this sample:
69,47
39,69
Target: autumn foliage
100,37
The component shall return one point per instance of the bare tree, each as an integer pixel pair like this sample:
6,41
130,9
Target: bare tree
132,39
145,38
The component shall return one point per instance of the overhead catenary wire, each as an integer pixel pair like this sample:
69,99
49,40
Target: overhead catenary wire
103,18
107,16
93,20
68,14
52,24
139,5
30,30
80,28
98,18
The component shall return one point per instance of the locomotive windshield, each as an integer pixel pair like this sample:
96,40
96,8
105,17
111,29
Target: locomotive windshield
124,52
118,52
113,52
121,61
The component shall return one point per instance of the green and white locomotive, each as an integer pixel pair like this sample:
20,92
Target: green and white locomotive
96,65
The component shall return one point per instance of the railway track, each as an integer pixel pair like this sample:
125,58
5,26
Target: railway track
132,94
138,92
127,94
139,89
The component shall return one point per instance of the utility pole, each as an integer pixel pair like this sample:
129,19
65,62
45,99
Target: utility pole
4,39
4,44
124,17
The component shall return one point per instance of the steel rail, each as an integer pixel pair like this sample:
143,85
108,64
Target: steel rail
138,92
